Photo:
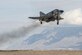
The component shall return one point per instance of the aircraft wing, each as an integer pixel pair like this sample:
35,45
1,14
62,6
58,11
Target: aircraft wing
34,17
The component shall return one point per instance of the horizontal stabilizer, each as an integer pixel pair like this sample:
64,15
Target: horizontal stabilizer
34,17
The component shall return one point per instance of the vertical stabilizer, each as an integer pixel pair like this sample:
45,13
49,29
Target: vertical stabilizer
42,14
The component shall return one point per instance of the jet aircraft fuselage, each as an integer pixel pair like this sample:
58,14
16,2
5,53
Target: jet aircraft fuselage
51,16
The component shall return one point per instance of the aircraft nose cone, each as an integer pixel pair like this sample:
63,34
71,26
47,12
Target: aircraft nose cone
61,11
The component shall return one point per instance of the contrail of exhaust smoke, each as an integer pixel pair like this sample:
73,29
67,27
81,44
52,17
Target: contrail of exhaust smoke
21,32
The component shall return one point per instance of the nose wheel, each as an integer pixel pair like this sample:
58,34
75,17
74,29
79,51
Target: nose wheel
57,22
40,22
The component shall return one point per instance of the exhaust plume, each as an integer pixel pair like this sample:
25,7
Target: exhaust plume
19,33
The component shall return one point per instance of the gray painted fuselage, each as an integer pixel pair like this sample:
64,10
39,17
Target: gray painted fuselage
51,16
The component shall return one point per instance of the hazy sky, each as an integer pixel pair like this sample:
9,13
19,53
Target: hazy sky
16,12
24,8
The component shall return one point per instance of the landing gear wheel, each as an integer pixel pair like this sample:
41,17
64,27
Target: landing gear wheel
41,22
57,22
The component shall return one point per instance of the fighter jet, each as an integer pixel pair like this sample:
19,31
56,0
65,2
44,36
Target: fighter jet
51,16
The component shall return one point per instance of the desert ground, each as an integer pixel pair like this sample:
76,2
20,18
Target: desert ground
31,52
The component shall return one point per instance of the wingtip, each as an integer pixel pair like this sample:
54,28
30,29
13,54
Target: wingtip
29,17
